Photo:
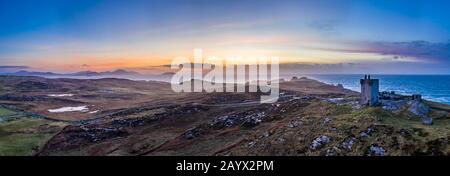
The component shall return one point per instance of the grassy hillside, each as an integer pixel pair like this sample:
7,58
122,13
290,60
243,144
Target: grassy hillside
26,136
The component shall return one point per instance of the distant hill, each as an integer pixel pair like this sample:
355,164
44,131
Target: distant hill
119,72
28,73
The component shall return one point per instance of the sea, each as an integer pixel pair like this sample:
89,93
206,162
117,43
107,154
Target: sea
432,87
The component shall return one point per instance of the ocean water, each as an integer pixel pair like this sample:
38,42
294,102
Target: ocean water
432,87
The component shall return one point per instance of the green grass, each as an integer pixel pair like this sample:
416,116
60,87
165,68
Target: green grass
439,129
6,112
399,120
21,125
23,137
22,144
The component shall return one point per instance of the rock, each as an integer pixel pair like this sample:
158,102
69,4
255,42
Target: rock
392,105
376,150
334,100
348,144
281,140
366,133
251,122
418,108
319,142
97,134
331,151
363,134
251,144
246,119
189,136
128,122
295,123
192,133
327,120
253,119
225,121
340,86
266,134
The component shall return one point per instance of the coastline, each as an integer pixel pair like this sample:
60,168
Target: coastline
432,87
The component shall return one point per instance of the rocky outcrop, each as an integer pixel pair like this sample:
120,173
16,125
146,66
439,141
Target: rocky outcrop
319,142
393,105
376,150
420,109
73,137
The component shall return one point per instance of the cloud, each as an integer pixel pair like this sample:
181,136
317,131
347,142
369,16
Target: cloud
363,68
312,68
324,26
424,51
13,67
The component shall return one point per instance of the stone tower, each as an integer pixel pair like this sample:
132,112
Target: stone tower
369,91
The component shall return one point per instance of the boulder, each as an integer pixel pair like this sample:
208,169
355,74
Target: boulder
319,142
392,105
376,150
348,144
420,109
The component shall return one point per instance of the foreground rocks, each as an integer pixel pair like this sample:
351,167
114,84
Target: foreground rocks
319,142
376,150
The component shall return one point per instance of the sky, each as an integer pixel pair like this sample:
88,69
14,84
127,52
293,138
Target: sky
323,36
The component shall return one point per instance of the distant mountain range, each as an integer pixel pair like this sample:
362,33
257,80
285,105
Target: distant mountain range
119,72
